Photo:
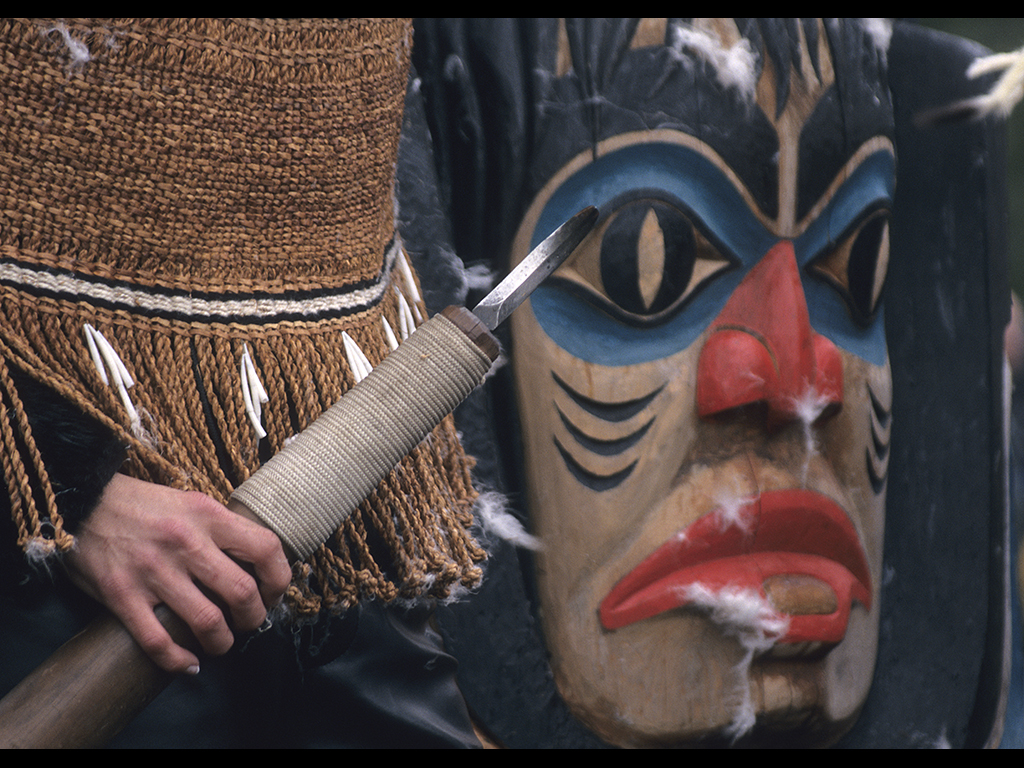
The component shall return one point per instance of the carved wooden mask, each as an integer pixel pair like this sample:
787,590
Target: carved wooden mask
704,386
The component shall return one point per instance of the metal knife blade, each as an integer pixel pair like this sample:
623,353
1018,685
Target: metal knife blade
531,271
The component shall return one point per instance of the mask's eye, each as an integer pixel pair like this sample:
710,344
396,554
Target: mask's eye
642,262
858,264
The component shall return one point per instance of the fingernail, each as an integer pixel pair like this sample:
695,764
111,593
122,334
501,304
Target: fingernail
193,670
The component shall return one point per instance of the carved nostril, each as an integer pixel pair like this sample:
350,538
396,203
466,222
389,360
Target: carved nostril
734,369
828,373
737,369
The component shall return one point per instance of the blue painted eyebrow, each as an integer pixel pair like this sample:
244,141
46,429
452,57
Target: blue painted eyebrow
871,185
688,179
710,197
700,188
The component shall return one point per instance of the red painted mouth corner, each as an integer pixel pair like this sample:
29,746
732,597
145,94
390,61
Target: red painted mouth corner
786,533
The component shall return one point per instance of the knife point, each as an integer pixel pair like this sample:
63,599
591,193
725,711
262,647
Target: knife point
532,270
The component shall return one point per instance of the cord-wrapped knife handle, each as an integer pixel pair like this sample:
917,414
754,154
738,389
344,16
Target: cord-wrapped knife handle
312,485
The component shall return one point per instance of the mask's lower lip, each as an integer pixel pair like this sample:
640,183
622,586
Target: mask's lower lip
784,533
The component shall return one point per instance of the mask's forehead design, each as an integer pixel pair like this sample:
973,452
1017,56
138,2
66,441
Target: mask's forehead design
701,77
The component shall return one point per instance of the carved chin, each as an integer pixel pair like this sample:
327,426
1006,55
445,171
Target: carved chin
678,678
756,618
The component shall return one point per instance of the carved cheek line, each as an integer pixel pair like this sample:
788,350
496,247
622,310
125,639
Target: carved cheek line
592,480
608,412
603,447
613,412
881,432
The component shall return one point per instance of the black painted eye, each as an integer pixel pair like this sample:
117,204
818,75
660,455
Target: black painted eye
643,262
647,256
858,264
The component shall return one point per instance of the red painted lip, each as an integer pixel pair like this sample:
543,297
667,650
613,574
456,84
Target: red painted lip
795,532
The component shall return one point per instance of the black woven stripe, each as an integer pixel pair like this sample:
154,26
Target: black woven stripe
294,305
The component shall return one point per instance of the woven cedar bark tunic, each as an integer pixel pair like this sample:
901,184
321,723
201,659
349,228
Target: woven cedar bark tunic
197,203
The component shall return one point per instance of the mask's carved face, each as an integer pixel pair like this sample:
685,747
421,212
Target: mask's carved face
705,398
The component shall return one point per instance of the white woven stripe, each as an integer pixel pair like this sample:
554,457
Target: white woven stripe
153,301
308,489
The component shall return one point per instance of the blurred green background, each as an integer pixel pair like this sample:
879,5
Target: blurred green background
1002,35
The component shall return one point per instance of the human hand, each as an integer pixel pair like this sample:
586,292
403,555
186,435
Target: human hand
146,544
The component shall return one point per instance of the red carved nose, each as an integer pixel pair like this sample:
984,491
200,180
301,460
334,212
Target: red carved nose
762,348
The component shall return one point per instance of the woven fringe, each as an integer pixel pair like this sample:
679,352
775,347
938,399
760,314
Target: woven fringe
409,539
33,502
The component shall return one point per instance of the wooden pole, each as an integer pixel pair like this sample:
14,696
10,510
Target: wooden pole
87,691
